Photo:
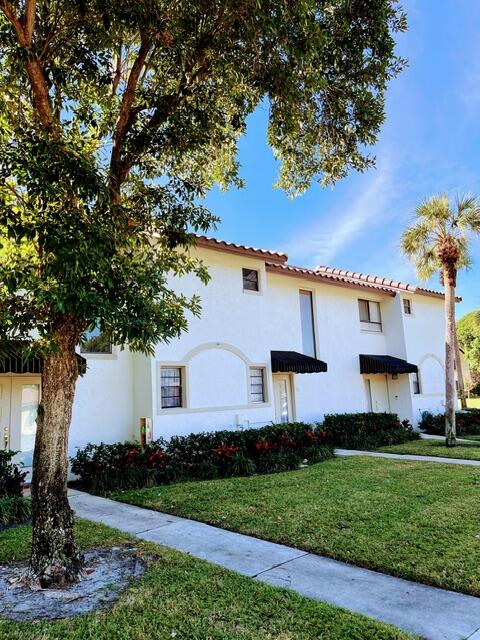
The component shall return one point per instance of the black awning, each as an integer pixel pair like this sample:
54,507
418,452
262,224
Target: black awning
385,364
14,358
293,362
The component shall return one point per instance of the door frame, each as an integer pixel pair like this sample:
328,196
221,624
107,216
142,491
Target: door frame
288,377
15,419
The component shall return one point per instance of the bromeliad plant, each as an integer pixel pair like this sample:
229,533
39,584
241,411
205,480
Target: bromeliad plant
116,118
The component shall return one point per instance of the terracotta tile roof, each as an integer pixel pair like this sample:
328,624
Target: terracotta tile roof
222,245
276,262
328,278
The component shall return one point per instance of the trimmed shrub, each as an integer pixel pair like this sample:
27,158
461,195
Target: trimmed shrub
275,447
14,510
366,430
468,423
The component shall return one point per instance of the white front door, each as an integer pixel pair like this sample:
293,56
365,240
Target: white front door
19,399
282,387
376,389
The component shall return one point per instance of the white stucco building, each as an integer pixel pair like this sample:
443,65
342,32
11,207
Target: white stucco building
240,364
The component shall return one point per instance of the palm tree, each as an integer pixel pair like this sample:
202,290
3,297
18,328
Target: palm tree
438,241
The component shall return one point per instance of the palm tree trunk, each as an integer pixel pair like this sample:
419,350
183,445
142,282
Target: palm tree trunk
450,333
55,560
461,382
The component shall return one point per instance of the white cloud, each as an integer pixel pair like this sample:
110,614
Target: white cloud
333,233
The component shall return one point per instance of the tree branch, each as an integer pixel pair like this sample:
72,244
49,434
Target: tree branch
29,20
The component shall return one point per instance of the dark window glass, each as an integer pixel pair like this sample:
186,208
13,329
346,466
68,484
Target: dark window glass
250,280
307,322
416,384
171,387
407,307
257,385
370,317
96,342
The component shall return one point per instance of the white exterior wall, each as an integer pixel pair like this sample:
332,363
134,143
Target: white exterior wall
238,329
103,410
425,343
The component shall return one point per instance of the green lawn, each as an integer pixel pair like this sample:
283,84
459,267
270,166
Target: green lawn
188,599
412,519
424,447
473,403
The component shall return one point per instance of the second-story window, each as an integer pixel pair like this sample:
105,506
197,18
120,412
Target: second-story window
370,317
250,280
307,322
407,307
96,341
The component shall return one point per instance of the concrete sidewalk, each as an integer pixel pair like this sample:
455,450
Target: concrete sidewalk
435,614
406,456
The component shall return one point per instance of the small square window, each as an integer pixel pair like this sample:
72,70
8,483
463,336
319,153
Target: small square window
407,307
171,387
250,280
96,341
257,384
370,317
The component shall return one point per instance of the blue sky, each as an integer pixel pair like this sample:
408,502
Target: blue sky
429,143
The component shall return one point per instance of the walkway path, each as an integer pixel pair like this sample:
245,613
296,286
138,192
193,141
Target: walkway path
406,456
432,613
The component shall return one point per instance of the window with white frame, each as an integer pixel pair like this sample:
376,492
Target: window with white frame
307,323
416,384
257,384
407,307
171,384
370,317
251,280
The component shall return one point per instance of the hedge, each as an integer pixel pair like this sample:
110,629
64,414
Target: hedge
468,423
273,448
14,508
367,430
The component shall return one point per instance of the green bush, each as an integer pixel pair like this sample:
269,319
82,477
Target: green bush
14,510
366,430
275,447
11,478
468,423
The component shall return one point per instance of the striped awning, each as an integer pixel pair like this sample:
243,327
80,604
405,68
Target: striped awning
14,358
385,364
293,362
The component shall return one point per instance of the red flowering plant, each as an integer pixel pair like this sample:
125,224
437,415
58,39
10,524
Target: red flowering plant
225,452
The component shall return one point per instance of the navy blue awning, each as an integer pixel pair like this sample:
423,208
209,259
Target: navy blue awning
293,362
16,358
385,364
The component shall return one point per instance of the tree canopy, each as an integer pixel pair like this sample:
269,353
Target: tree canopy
468,330
117,117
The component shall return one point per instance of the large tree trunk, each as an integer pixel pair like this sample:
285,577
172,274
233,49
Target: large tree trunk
55,559
450,333
461,381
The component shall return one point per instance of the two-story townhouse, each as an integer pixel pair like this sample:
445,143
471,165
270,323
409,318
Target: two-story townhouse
274,342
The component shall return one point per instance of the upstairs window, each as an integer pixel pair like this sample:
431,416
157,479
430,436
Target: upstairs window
250,280
171,387
407,307
96,341
257,384
370,317
416,384
307,323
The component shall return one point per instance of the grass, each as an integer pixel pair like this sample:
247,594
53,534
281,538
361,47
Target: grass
437,448
419,521
473,403
188,599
